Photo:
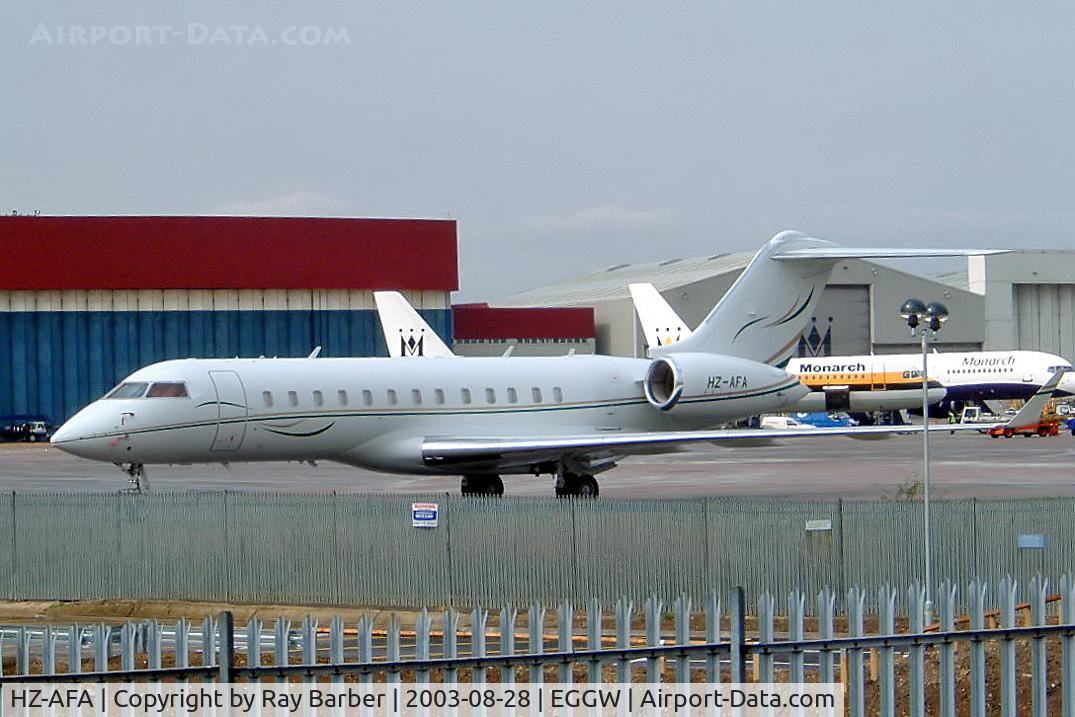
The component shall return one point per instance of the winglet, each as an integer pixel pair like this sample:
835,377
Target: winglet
405,331
315,353
1032,410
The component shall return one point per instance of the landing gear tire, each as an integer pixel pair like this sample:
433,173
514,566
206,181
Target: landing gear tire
581,486
479,484
137,481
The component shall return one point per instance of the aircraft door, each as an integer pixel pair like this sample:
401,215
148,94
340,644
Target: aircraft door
877,382
232,408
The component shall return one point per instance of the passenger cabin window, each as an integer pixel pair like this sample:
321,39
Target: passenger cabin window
558,394
490,395
266,398
292,398
465,394
438,396
367,398
513,396
393,399
319,398
128,390
341,397
416,396
168,389
535,393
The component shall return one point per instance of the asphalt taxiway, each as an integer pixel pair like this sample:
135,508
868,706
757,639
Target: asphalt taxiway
963,465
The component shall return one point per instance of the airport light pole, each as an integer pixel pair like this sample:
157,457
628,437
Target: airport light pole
926,318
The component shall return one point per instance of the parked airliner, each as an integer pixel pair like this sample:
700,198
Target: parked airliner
569,416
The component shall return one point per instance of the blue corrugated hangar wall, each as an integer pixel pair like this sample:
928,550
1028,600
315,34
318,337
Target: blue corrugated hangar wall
56,362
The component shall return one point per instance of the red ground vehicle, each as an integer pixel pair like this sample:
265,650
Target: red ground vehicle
1043,428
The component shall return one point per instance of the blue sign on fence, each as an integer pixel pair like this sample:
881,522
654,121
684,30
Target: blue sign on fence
424,515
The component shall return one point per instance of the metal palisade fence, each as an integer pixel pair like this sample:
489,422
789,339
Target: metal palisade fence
890,662
345,549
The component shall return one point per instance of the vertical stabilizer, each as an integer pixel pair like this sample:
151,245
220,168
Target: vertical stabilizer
661,325
766,309
405,331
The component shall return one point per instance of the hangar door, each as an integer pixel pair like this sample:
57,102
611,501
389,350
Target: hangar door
1045,318
840,324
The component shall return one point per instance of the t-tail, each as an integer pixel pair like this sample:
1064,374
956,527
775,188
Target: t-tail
763,314
405,331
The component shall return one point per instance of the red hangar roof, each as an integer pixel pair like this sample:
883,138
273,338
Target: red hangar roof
480,321
53,253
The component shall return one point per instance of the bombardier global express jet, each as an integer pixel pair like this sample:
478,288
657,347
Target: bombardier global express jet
569,416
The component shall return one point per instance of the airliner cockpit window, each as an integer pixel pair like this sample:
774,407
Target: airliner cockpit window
133,389
168,389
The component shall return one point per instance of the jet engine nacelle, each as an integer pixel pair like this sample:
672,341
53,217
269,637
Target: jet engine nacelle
675,377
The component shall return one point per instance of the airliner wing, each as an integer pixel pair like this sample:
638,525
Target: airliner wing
516,451
405,331
841,252
1032,410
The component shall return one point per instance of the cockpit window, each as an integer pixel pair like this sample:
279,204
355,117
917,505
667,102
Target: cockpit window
168,389
131,389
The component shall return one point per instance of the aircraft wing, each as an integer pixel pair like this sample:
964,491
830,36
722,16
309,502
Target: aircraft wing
841,252
1032,410
405,331
447,451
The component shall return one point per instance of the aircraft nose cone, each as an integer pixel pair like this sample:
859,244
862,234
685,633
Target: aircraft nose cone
80,437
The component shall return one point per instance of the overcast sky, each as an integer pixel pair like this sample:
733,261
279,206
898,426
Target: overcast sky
563,136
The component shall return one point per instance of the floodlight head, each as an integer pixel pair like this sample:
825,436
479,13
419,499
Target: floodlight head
913,311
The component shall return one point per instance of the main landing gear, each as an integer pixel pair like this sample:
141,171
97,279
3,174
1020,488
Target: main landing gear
482,484
576,484
137,481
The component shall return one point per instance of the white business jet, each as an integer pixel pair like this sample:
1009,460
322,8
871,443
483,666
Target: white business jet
569,416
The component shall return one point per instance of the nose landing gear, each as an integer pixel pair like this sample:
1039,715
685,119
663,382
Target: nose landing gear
137,480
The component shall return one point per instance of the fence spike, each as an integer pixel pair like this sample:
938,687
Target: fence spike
365,647
1067,644
624,608
422,628
74,649
479,621
1008,666
886,656
916,603
712,636
796,631
856,687
593,638
976,592
826,629
508,616
763,664
336,646
182,643
946,650
682,609
451,635
1039,665
653,608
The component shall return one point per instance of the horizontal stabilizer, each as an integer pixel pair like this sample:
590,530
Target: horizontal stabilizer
850,252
